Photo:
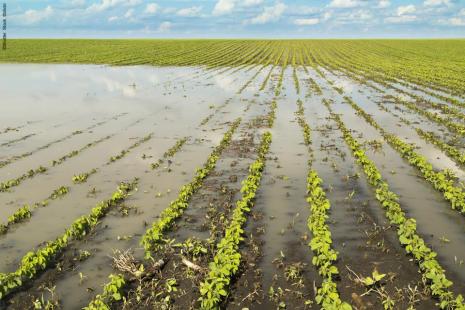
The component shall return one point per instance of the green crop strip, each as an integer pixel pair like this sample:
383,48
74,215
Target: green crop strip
451,151
43,147
281,75
25,212
272,114
209,117
450,110
154,235
250,80
11,142
455,127
327,295
170,152
76,152
128,150
82,177
227,258
34,262
325,257
440,180
5,186
303,124
414,245
112,292
296,80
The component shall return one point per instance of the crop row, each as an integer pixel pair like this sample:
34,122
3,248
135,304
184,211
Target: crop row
440,180
74,153
133,146
227,258
450,150
170,152
112,291
11,142
454,153
153,236
82,177
281,75
455,127
25,212
34,262
446,109
296,80
272,114
43,147
431,270
7,185
321,244
246,84
211,115
303,124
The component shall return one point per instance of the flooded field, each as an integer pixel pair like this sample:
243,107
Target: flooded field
241,187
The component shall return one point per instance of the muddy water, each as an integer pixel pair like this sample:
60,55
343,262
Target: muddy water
435,219
98,267
412,89
282,197
366,97
171,103
357,224
176,112
159,113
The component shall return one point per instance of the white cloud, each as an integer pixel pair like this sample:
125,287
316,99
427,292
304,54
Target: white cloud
456,21
223,7
327,15
462,12
384,4
249,3
436,2
78,3
34,16
306,21
151,8
407,9
401,19
359,16
190,12
113,18
165,27
109,4
269,14
169,10
404,15
129,13
344,4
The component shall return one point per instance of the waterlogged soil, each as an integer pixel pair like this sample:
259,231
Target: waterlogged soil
437,223
52,110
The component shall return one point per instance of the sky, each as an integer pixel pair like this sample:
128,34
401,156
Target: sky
236,19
